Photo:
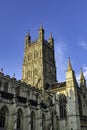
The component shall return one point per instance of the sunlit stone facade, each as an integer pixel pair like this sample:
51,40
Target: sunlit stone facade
38,101
39,68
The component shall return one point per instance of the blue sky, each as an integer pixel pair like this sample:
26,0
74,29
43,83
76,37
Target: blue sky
66,19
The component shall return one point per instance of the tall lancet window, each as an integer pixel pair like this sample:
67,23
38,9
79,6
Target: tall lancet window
43,122
19,119
32,120
62,101
3,117
80,104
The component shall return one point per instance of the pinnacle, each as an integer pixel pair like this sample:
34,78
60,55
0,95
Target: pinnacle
69,64
81,75
28,37
50,35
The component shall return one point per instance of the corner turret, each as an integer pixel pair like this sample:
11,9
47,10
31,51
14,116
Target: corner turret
27,38
51,40
70,74
41,33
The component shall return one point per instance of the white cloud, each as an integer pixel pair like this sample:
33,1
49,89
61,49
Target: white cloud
61,62
60,50
83,45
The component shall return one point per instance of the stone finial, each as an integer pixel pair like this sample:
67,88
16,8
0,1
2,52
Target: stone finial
41,33
51,40
28,37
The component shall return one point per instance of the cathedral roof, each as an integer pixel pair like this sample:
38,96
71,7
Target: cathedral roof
59,85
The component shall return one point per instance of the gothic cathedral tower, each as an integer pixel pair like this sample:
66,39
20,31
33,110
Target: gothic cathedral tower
39,67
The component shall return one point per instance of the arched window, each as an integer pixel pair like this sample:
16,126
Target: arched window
62,101
80,105
43,122
35,54
35,72
32,120
17,91
52,120
6,87
19,119
30,56
29,73
3,117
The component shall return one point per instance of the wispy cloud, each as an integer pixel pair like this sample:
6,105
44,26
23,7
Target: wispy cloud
83,45
61,60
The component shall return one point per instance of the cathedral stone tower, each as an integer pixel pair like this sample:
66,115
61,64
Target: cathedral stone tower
38,67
